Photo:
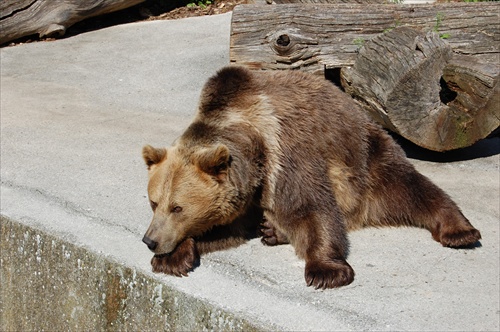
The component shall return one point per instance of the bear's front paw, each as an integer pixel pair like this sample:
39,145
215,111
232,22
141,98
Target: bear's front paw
270,235
329,274
460,238
179,262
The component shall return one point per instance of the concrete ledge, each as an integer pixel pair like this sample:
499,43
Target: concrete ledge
49,284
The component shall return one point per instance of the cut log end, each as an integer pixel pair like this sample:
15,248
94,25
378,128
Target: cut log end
407,80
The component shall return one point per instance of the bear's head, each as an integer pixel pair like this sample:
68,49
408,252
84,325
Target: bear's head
189,191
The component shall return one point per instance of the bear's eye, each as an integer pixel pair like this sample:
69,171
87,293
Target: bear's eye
176,209
153,205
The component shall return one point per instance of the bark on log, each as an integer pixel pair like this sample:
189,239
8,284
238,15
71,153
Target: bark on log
19,18
398,78
441,91
313,37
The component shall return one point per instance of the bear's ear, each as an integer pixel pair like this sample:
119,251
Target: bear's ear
153,155
214,160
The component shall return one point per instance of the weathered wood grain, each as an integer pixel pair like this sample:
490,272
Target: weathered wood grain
427,72
398,78
329,36
19,18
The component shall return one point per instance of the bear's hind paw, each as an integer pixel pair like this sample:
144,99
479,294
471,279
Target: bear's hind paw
330,274
468,238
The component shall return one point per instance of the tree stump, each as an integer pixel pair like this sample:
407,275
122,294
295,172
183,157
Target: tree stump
427,72
19,18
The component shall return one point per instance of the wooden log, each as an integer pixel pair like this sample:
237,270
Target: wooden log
397,77
315,37
440,91
19,18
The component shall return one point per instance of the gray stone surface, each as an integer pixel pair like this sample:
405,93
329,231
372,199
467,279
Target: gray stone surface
75,114
77,289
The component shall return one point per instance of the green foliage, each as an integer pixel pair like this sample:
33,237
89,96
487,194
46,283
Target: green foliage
359,42
201,3
439,20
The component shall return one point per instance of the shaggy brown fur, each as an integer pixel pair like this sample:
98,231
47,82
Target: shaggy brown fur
291,150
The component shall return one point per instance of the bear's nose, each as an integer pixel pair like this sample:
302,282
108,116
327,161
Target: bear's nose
150,243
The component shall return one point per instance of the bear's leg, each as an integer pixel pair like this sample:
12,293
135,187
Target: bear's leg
322,242
270,235
232,235
186,256
401,196
221,238
408,198
441,216
452,229
328,274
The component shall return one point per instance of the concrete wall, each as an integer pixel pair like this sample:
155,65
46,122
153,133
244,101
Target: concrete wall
51,285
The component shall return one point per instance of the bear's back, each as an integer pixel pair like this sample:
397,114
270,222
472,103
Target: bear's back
291,93
290,109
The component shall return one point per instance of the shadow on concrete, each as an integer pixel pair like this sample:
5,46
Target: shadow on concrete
139,12
132,14
484,148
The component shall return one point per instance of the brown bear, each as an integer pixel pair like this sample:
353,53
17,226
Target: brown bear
293,153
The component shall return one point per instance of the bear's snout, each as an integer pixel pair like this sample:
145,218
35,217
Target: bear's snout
150,243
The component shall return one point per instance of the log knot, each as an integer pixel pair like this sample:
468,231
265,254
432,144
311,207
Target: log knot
283,40
293,49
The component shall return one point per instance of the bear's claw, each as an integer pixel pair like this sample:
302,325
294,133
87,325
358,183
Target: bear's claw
330,274
460,238
180,262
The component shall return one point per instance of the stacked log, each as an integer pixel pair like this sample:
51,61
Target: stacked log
428,72
19,18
